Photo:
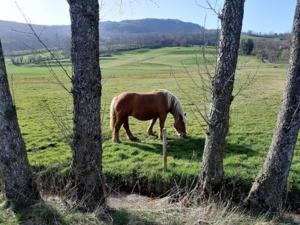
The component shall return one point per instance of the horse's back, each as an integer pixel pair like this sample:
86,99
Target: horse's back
141,105
143,98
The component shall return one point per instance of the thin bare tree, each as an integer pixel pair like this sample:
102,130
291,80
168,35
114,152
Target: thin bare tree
86,89
211,174
269,189
19,186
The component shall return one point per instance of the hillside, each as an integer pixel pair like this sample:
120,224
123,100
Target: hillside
114,35
18,37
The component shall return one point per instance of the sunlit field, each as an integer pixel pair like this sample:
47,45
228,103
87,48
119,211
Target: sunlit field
45,115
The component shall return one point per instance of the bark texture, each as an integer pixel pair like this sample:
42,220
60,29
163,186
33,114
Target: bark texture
19,187
269,189
211,175
87,144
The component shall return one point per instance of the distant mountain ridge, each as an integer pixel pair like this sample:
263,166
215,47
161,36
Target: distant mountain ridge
140,33
17,36
163,26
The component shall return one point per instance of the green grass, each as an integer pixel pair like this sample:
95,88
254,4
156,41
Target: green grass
253,117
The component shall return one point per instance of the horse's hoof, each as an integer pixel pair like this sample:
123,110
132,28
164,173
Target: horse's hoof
116,141
133,139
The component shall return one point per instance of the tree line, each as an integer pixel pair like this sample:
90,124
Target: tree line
157,40
86,183
269,50
37,58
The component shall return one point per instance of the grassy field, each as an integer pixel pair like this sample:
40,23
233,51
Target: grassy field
45,115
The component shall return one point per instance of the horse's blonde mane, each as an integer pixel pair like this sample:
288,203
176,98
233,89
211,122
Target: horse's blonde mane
178,110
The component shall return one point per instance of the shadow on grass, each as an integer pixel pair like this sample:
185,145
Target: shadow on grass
123,217
43,214
39,214
189,148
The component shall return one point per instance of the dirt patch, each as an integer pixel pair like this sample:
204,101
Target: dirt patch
135,201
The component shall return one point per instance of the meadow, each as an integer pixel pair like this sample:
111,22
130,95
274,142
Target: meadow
45,114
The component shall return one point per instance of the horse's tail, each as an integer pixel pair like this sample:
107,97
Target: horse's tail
112,113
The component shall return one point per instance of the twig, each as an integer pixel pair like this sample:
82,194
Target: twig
12,88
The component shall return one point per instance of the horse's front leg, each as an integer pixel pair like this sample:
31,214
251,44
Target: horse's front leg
162,120
150,129
128,132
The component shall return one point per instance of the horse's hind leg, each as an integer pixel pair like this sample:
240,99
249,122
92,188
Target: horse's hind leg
116,130
150,129
128,132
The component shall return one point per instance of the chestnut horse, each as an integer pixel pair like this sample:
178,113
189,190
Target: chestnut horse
145,106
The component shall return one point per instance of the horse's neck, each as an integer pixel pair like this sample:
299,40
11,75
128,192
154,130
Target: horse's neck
172,112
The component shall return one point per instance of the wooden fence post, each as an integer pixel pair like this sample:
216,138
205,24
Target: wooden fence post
165,152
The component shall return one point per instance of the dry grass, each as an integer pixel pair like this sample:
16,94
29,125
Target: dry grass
166,213
139,210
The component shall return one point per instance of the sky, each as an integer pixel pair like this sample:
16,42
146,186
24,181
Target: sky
260,15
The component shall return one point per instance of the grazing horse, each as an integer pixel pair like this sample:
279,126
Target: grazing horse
145,106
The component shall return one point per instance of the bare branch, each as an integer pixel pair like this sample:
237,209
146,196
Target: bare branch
204,117
210,7
34,33
54,75
249,80
64,128
12,89
52,72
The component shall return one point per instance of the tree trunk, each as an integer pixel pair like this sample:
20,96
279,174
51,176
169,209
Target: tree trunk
211,175
269,189
19,187
87,143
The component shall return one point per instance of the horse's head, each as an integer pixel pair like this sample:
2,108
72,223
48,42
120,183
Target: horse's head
175,108
179,125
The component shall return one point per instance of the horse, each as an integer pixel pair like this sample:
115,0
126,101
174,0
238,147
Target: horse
145,106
